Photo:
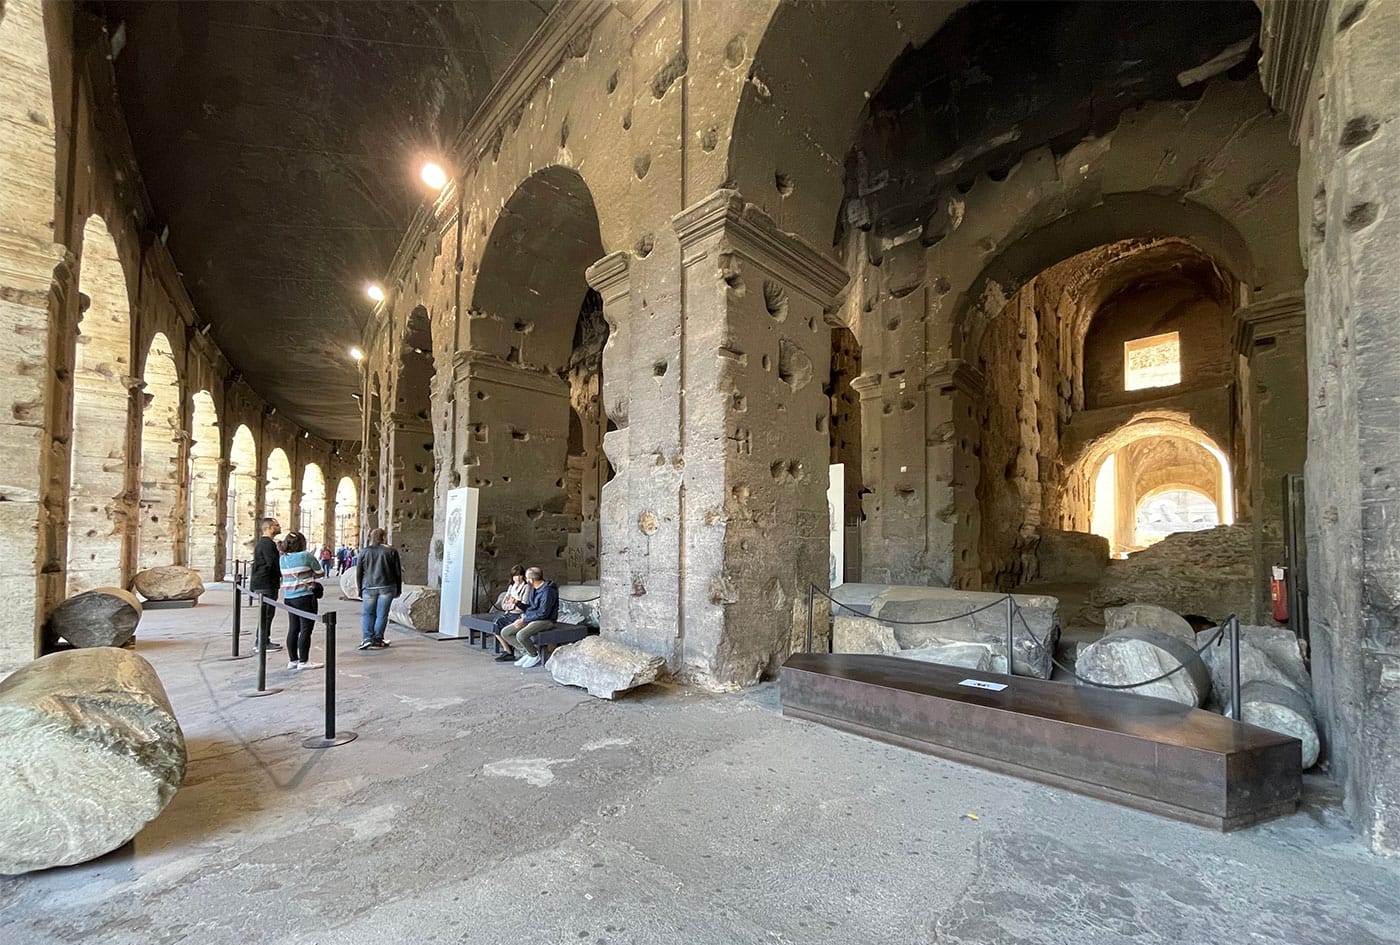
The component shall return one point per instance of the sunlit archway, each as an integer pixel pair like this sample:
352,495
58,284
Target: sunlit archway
242,497
162,519
278,501
204,486
347,512
313,505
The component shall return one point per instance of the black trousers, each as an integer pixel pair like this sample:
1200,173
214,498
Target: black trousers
299,628
265,613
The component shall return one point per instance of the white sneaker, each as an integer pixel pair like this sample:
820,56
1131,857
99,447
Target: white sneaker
294,665
531,662
521,661
312,665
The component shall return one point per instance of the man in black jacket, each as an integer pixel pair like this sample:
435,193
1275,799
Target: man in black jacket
381,580
266,577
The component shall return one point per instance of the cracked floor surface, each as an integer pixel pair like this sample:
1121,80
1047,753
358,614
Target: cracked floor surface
486,804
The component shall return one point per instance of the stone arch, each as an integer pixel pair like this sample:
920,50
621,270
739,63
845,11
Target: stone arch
204,490
161,525
313,505
529,365
99,506
277,501
372,458
347,513
243,512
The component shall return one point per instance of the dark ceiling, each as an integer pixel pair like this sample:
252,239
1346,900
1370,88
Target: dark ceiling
281,143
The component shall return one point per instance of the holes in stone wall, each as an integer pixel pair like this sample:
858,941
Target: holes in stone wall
709,139
1358,131
642,165
612,83
627,120
735,51
739,402
1350,16
645,245
775,300
520,436
1359,216
564,133
784,183
669,73
794,366
659,369
767,363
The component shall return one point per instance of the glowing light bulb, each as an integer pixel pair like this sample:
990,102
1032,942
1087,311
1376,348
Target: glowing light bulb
357,354
434,176
374,292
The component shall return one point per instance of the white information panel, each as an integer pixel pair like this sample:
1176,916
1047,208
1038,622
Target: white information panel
458,561
836,513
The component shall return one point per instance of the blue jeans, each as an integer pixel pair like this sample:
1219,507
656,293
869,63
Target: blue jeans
374,613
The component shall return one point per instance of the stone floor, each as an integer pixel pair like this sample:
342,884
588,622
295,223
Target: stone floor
486,804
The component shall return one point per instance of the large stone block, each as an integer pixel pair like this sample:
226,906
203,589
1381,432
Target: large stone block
862,635
976,656
1209,573
350,583
929,616
1267,654
91,752
1150,616
103,616
1135,655
604,667
1071,557
416,608
1280,709
580,603
170,582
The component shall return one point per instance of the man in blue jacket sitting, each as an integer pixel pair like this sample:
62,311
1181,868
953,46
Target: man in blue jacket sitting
539,615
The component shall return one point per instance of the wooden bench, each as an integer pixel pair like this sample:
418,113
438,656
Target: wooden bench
481,628
1150,754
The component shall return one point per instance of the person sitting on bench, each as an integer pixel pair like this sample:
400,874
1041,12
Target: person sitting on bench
511,604
539,616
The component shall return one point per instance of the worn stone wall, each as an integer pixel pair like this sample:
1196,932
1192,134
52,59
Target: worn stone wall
1349,178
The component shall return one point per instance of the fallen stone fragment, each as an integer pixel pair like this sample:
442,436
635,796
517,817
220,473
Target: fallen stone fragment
604,667
966,655
1267,654
1283,710
1136,654
103,616
171,582
911,613
350,583
416,608
862,635
1150,616
91,752
578,603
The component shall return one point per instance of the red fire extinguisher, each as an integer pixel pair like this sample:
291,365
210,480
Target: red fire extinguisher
1278,594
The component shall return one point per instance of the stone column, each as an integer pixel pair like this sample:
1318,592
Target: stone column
867,388
1272,336
408,448
223,566
953,391
514,431
755,352
611,278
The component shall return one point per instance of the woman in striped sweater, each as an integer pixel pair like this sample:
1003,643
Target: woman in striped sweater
299,572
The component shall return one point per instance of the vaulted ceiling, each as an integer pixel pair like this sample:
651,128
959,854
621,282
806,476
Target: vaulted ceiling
281,143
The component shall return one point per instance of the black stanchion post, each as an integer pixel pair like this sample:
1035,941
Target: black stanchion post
1236,710
810,602
237,621
1010,635
331,738
261,648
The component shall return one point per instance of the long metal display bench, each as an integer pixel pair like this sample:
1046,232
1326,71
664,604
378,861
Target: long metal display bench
1150,754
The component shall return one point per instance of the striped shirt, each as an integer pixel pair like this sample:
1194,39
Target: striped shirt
299,573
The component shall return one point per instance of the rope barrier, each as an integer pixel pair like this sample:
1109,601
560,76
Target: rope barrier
910,623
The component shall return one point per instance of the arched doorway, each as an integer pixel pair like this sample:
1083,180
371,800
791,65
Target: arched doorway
409,449
347,513
98,504
372,457
277,501
161,524
242,497
313,505
204,487
537,338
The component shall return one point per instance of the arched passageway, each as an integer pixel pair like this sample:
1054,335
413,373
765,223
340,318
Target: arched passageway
537,339
243,511
277,502
204,487
347,513
99,506
372,457
161,527
409,457
313,505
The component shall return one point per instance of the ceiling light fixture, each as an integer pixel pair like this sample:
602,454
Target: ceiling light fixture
433,175
357,354
375,292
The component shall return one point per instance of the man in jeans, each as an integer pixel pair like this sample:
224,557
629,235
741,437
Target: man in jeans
266,578
381,580
539,615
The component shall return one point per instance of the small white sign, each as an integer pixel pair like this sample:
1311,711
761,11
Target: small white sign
983,684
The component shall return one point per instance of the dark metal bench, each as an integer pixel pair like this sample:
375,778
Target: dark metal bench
481,628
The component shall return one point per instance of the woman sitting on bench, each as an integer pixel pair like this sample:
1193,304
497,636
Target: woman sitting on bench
539,616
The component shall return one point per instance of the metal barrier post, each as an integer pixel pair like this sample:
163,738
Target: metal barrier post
810,602
1010,635
1236,710
237,623
248,573
261,648
331,738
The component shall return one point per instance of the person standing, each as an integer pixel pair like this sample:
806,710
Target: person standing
300,569
264,578
326,560
380,581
